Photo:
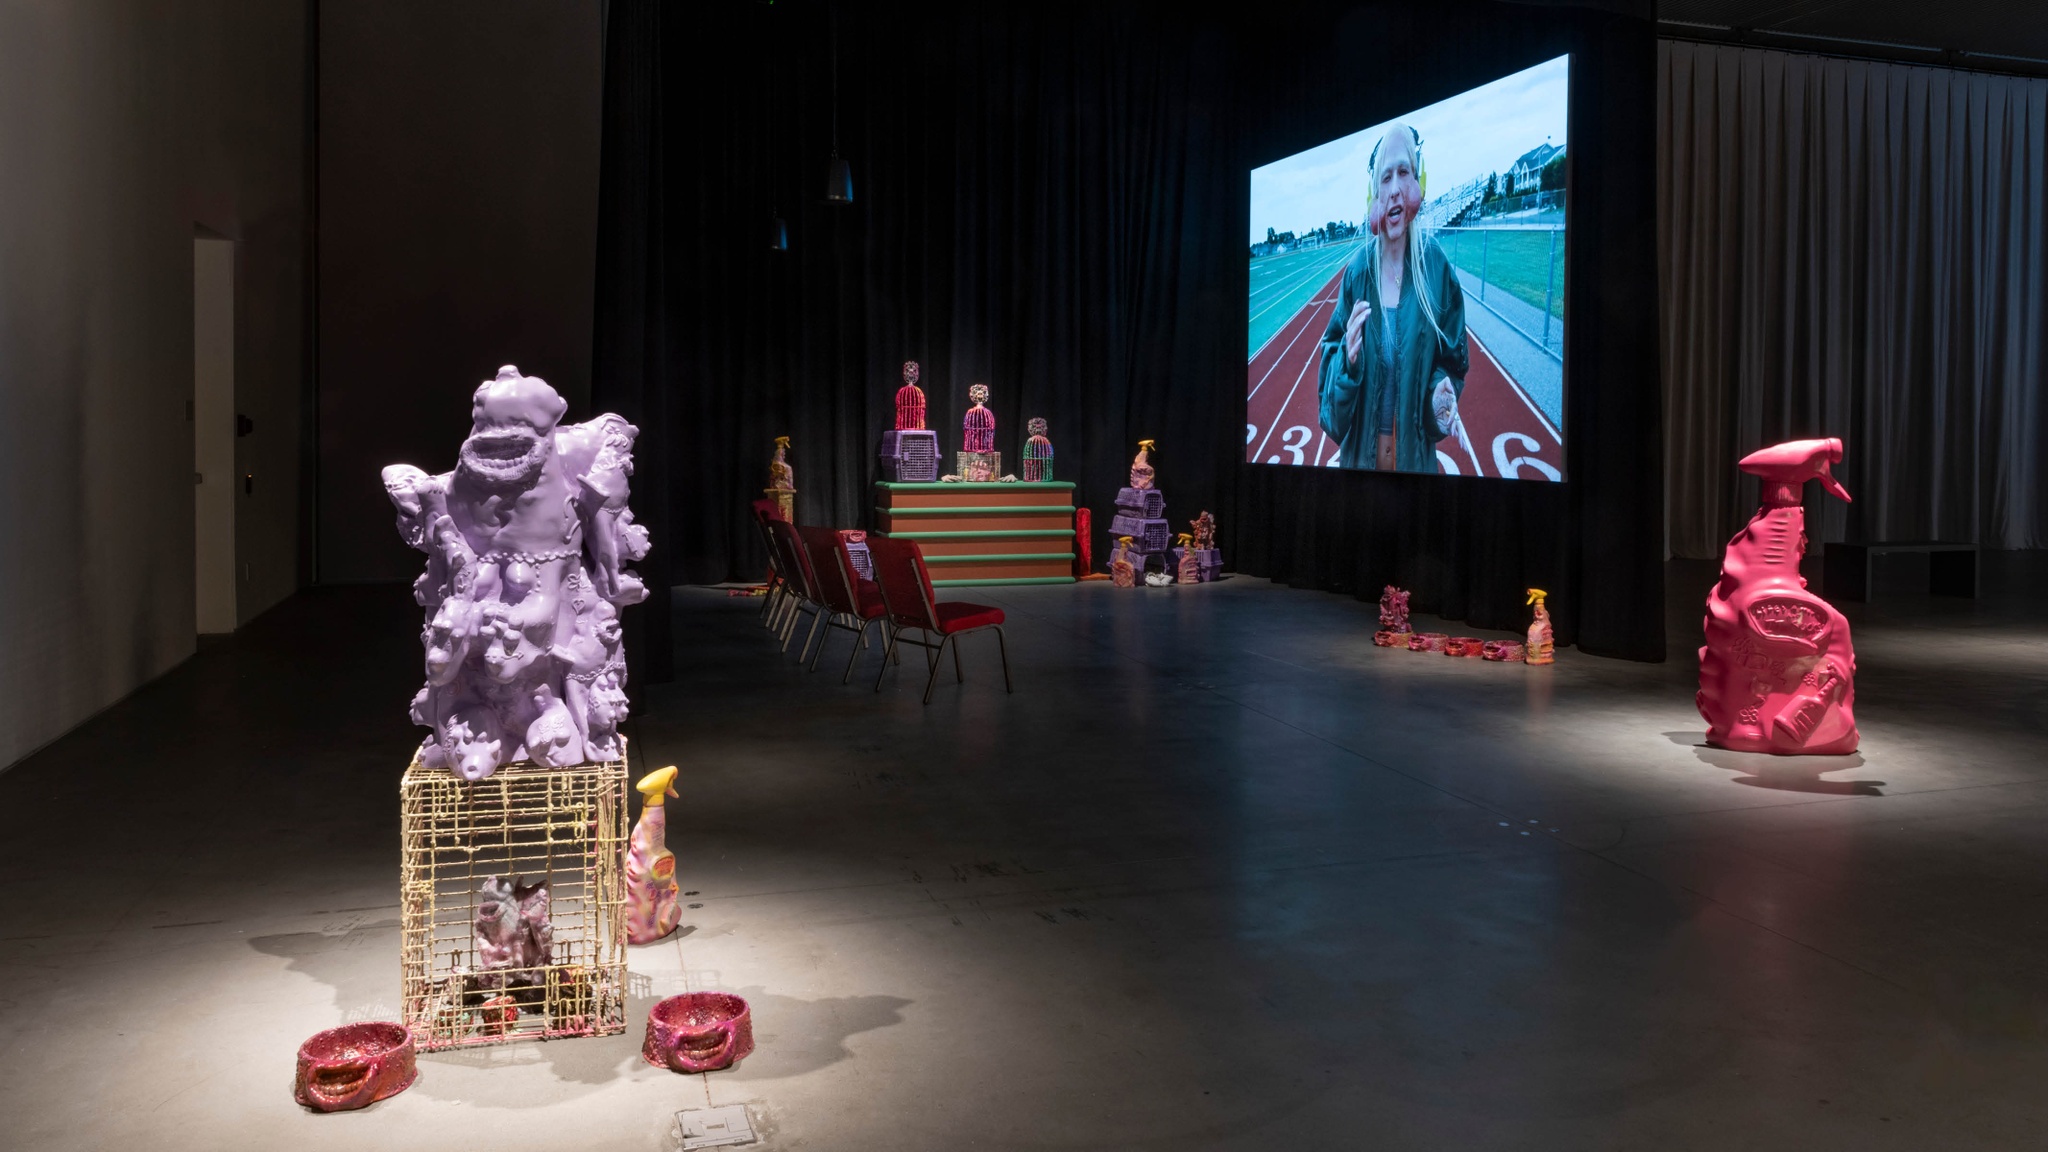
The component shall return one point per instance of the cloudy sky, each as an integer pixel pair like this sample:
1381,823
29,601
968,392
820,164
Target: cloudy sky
1469,135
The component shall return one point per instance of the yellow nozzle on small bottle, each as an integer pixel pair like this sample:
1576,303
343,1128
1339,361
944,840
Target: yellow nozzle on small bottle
655,783
1536,595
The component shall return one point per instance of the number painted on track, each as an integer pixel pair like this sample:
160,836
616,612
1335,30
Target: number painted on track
1511,469
1293,445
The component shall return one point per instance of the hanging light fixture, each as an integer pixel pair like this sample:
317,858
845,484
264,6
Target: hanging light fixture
838,174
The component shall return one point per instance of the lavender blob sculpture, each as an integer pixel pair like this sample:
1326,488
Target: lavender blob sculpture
527,542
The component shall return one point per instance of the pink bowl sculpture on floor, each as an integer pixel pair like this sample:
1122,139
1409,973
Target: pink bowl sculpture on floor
1428,641
527,542
354,1066
698,1032
1464,646
1502,650
1777,673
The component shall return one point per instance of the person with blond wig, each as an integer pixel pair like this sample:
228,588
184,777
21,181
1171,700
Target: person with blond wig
1394,355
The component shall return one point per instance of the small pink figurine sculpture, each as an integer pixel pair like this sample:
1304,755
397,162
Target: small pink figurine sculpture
1541,645
651,907
526,542
909,400
978,427
1122,572
1141,466
1394,631
782,480
1190,570
1037,452
1204,532
1777,673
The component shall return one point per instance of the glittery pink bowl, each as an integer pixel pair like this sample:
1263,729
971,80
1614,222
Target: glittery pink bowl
698,1032
354,1066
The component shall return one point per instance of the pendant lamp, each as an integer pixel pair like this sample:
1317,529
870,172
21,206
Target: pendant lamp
838,173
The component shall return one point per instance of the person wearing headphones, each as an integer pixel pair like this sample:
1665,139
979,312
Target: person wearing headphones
1394,355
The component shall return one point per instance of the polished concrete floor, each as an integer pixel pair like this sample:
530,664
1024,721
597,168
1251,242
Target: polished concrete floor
1220,875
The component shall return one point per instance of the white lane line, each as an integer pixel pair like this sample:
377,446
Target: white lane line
1298,281
1282,414
1314,309
1517,389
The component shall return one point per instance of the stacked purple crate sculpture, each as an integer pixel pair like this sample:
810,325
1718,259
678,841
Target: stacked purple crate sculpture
1141,515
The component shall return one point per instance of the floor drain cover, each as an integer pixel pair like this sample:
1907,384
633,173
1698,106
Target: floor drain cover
715,1127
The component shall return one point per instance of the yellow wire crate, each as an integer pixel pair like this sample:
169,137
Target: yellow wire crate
524,824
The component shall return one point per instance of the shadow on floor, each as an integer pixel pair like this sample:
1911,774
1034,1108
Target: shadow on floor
1783,773
792,1036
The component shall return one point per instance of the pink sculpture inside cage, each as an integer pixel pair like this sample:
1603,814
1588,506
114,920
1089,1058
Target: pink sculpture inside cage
1777,672
978,427
1037,452
909,400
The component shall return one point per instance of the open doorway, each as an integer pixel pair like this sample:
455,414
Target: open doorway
213,431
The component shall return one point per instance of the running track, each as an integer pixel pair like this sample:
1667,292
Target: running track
1506,430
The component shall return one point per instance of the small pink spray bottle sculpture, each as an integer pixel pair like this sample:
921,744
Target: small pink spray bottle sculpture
1777,673
1541,642
651,908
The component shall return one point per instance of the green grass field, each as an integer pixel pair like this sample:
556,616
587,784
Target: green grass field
1520,262
1280,285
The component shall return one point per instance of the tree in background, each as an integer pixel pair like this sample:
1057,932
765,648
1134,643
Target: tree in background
1552,177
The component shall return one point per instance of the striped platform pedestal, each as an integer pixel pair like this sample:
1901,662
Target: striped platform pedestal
984,533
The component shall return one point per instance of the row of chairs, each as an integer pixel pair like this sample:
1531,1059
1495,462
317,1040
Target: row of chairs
812,574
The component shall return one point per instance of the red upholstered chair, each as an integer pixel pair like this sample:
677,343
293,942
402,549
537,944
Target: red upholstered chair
778,595
854,603
803,583
907,592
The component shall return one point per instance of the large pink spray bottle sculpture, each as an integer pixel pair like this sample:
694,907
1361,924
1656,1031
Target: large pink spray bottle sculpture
1777,673
527,542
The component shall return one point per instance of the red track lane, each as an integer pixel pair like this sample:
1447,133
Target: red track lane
1508,436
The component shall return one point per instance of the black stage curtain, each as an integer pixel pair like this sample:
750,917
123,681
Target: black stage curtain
1854,248
1050,199
1036,190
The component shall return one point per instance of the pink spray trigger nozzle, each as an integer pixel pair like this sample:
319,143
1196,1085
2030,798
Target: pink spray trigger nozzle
1790,465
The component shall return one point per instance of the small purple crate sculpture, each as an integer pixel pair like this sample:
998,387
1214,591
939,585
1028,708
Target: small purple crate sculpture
909,456
1208,559
857,551
1139,515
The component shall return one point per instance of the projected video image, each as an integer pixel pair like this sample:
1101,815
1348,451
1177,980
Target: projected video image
1406,310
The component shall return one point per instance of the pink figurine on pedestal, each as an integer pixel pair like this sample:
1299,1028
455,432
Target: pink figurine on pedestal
1777,673
909,400
651,908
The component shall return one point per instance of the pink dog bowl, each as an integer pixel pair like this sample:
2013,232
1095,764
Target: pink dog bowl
354,1066
698,1032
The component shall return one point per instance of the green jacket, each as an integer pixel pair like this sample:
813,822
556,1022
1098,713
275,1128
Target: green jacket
1350,397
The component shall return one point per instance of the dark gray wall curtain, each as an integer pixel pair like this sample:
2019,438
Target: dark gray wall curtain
1854,249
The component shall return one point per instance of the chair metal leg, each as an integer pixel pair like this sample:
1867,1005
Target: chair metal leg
803,654
888,657
1004,648
959,677
932,681
851,657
